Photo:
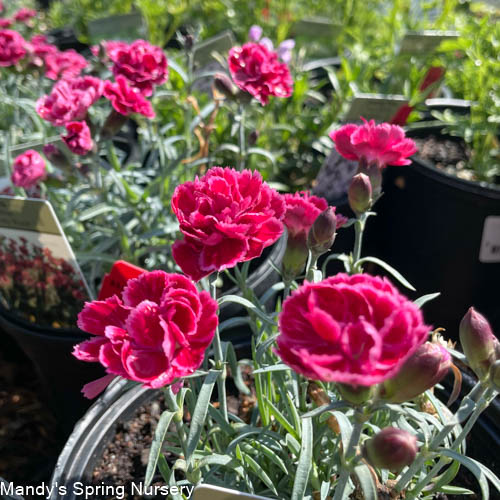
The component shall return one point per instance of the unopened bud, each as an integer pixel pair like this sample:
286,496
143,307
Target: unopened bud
224,85
295,257
355,394
252,137
322,233
478,342
423,370
114,122
188,41
360,194
55,156
391,449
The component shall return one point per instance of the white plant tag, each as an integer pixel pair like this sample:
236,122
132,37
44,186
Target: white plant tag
490,243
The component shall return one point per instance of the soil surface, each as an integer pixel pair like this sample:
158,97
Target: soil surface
28,444
450,155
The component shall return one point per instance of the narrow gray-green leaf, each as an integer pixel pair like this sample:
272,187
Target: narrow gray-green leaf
305,461
345,428
200,412
395,274
426,298
259,472
161,430
366,482
321,409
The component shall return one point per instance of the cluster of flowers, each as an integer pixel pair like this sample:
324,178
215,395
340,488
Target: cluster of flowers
356,330
23,15
35,284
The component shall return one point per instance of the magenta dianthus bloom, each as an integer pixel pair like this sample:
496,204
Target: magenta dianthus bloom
28,169
12,47
158,332
226,217
383,144
24,14
142,64
356,330
78,139
257,70
69,100
126,100
302,209
65,64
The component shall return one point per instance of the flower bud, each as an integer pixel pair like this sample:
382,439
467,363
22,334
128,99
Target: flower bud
360,194
355,394
224,85
478,342
252,137
423,370
114,122
322,232
55,156
295,257
391,449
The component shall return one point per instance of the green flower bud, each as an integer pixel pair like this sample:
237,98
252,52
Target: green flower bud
423,370
478,342
391,449
295,257
495,375
374,173
360,194
355,394
322,233
224,85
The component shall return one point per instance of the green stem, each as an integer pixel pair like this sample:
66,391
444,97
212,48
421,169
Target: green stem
241,138
179,423
219,361
359,227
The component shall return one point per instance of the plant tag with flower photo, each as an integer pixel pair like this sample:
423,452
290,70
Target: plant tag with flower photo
221,43
126,27
40,279
209,492
316,27
490,243
380,107
426,41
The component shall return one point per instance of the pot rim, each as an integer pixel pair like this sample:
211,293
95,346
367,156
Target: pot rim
480,188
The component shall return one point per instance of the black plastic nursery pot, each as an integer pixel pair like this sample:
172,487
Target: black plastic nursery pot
61,374
436,229
97,428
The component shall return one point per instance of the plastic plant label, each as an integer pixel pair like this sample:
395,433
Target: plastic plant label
316,27
41,279
126,27
209,492
114,282
221,43
490,243
380,107
426,41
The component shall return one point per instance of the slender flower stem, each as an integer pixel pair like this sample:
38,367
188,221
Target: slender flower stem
359,227
219,361
241,138
179,423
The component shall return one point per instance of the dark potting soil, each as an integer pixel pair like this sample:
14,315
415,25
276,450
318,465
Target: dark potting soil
447,154
29,445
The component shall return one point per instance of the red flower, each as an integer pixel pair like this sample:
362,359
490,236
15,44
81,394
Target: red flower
350,329
125,99
66,64
110,47
12,47
141,63
78,138
382,144
40,49
301,211
226,217
24,14
28,169
257,70
157,333
69,100
5,22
